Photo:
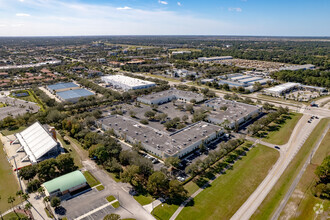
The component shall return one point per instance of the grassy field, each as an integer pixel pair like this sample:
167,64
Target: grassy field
164,211
282,135
163,78
191,187
144,200
273,199
229,191
91,180
302,201
73,153
185,49
8,183
13,216
7,132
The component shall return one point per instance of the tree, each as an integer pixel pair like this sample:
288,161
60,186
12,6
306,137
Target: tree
27,207
157,183
130,174
28,172
177,193
55,202
112,216
172,161
19,193
47,169
65,164
11,200
25,196
185,118
150,114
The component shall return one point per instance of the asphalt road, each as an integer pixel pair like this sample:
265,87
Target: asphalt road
287,153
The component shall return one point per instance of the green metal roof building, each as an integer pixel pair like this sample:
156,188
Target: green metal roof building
65,184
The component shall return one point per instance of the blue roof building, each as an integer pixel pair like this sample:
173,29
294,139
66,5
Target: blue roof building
58,87
74,95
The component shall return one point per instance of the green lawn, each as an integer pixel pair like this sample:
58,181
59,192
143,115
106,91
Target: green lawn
13,215
91,180
229,191
8,183
115,204
111,198
100,187
144,199
191,187
164,211
305,204
114,176
7,132
282,135
273,199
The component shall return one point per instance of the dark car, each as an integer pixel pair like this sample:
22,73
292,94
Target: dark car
277,147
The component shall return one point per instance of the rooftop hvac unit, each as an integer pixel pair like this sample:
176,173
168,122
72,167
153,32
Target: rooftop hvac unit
146,141
116,124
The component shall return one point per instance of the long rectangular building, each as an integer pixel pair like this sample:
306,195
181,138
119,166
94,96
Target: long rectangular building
169,95
127,83
158,142
230,113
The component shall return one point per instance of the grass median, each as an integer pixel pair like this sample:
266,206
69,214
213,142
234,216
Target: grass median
273,199
91,180
302,202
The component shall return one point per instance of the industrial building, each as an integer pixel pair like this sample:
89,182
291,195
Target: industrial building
247,80
73,95
169,95
299,67
158,142
230,113
65,185
60,87
210,59
281,89
127,83
37,143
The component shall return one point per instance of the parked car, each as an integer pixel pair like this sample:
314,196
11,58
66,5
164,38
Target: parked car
277,147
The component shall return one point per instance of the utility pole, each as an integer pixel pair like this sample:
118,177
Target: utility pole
19,180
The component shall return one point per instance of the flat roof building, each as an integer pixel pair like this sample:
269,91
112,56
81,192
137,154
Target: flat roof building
65,184
281,89
59,87
229,113
38,143
74,95
158,142
210,59
169,95
127,83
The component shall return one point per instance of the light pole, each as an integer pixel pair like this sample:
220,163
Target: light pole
19,180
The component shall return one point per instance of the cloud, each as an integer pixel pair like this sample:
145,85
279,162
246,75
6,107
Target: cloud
179,4
235,9
124,8
21,0
162,2
22,15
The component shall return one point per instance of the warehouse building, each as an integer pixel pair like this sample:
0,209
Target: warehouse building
281,89
60,87
73,95
169,95
158,142
230,113
65,185
37,143
210,59
127,83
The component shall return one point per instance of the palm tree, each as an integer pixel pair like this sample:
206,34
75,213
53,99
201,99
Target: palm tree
19,193
27,206
25,196
11,201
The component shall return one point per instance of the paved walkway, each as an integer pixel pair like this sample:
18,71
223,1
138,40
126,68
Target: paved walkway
152,205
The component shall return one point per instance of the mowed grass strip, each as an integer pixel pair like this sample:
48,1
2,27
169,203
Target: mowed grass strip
8,183
91,180
283,135
273,199
164,211
115,204
111,198
302,201
229,191
144,199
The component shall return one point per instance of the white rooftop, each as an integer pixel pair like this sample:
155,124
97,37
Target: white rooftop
282,87
36,141
129,81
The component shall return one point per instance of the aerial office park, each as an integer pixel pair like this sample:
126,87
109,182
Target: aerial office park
110,124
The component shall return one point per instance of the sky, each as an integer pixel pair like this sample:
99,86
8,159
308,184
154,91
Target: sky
164,17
